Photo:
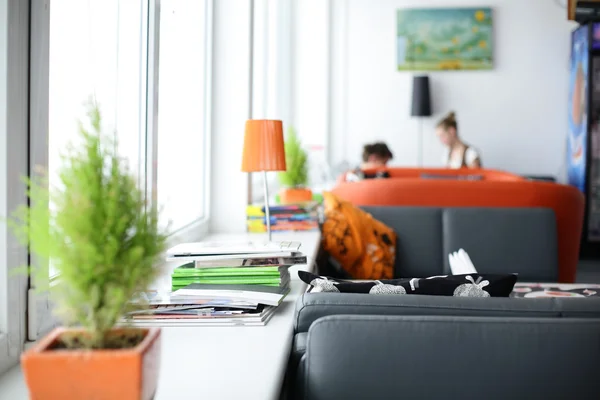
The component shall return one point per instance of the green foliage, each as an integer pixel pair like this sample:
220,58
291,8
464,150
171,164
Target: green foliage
100,235
296,159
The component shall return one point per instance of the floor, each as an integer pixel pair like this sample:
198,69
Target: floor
588,271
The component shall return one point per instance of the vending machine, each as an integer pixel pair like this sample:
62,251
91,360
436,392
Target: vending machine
583,144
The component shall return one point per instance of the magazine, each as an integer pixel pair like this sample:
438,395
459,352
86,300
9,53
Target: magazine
251,262
153,298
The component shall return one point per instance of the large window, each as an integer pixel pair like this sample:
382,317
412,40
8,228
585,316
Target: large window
147,65
96,51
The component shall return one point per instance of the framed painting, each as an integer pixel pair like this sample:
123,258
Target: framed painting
439,39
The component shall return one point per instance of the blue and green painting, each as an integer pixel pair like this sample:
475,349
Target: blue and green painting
437,39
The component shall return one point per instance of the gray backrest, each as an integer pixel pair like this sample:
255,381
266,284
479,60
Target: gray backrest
312,306
498,239
419,252
435,358
501,240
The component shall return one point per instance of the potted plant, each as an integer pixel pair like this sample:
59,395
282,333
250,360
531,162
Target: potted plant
295,178
104,241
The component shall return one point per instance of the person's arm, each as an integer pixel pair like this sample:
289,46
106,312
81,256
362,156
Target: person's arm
472,158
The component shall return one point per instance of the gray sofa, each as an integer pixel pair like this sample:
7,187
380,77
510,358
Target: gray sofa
499,240
435,358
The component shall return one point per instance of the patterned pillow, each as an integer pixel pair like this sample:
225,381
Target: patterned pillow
471,285
364,247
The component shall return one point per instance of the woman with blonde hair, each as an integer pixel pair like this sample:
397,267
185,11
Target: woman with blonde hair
458,154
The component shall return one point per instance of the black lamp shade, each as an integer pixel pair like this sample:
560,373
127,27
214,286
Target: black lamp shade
421,100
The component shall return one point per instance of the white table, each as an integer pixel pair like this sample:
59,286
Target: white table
220,362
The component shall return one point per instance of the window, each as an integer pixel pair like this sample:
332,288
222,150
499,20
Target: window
14,53
147,64
83,50
103,60
183,114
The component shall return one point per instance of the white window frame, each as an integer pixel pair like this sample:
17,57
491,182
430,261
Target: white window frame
40,317
14,137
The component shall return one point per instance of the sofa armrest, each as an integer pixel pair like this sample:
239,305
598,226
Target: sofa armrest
434,357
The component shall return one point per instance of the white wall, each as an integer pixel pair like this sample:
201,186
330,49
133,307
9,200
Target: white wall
515,114
230,110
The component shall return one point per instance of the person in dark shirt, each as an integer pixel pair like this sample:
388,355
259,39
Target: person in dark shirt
375,155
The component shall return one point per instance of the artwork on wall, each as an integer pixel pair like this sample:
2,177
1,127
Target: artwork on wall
438,39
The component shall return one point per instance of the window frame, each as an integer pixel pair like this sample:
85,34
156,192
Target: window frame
14,46
39,311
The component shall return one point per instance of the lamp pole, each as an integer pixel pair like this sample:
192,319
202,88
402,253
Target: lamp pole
267,212
420,155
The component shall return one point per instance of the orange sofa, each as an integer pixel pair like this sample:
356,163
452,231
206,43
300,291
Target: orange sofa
481,174
499,191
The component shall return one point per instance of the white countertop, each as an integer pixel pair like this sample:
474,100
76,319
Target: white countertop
219,362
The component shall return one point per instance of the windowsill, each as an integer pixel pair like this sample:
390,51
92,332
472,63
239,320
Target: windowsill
192,355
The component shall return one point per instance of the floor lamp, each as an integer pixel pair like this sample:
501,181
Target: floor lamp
264,151
421,107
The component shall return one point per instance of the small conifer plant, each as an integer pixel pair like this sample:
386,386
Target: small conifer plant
96,229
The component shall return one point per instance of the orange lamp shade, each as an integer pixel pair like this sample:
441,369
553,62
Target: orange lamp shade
263,146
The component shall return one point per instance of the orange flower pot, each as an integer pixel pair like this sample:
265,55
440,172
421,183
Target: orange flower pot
292,196
122,374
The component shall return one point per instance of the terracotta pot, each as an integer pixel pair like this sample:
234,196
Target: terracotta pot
122,374
291,196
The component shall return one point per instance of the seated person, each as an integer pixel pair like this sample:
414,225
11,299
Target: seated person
458,154
375,155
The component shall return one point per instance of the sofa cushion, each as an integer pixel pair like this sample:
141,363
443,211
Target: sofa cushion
419,239
504,240
375,357
469,285
364,246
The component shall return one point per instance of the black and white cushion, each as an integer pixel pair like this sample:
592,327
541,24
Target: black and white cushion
467,285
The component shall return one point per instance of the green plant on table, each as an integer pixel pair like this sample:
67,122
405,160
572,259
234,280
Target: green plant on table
296,159
97,231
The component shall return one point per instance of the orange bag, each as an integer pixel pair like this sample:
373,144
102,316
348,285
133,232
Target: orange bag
364,246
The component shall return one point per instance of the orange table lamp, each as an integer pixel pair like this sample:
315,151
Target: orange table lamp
264,151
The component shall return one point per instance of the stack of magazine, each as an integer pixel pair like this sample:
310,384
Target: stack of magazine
285,217
220,284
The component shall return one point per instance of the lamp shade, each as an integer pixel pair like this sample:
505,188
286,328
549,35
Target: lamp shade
421,100
263,146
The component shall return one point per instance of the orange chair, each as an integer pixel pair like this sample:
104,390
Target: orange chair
566,201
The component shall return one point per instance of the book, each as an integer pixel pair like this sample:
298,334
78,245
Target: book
180,282
262,294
